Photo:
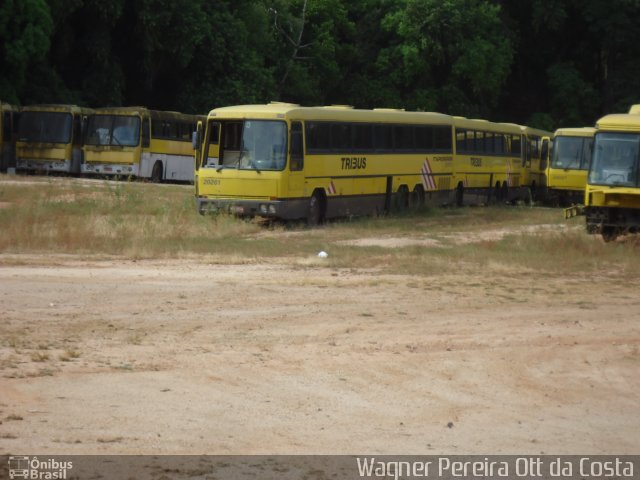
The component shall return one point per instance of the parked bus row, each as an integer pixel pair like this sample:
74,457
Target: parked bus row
286,161
125,141
290,162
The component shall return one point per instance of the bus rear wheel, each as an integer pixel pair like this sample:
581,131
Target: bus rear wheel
504,192
156,173
417,197
460,195
402,198
609,234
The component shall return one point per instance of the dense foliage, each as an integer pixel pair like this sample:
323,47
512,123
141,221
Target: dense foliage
548,63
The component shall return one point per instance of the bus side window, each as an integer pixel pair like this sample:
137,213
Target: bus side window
145,133
297,158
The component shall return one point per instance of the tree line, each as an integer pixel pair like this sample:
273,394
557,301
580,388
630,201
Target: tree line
546,63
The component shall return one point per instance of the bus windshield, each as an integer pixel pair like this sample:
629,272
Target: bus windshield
47,127
119,130
615,160
571,153
254,144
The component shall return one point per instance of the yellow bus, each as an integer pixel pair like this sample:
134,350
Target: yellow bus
138,142
537,145
337,161
612,195
50,138
286,161
487,160
567,170
8,120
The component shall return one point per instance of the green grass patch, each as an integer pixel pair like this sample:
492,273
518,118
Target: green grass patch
46,215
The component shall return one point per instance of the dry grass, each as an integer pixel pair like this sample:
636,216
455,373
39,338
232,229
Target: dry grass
138,220
69,355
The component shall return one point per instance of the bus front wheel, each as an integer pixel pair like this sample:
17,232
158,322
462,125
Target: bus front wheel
316,209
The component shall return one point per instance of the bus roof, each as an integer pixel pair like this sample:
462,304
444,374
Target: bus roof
623,122
634,109
486,125
120,110
56,108
575,132
8,107
526,130
535,131
345,113
139,111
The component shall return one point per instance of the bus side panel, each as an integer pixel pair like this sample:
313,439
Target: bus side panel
176,159
567,179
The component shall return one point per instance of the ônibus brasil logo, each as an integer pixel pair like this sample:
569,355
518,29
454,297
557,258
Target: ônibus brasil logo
34,468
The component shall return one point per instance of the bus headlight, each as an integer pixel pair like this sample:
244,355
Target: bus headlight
272,209
263,208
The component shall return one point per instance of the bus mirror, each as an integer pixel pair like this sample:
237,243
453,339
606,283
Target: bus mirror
195,140
196,137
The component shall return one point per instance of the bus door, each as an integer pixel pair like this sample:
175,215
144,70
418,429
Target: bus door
196,143
207,151
8,120
76,145
211,155
296,187
545,152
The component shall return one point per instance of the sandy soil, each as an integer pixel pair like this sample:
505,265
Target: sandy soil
183,357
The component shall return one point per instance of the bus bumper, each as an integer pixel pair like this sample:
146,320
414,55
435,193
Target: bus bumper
109,169
43,165
287,210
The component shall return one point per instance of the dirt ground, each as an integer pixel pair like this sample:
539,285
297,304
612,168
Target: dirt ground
186,357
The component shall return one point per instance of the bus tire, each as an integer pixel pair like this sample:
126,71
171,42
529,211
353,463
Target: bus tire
497,193
416,199
402,198
459,195
533,192
504,192
156,173
609,234
315,216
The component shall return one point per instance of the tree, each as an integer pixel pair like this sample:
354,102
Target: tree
452,55
25,30
231,62
313,40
